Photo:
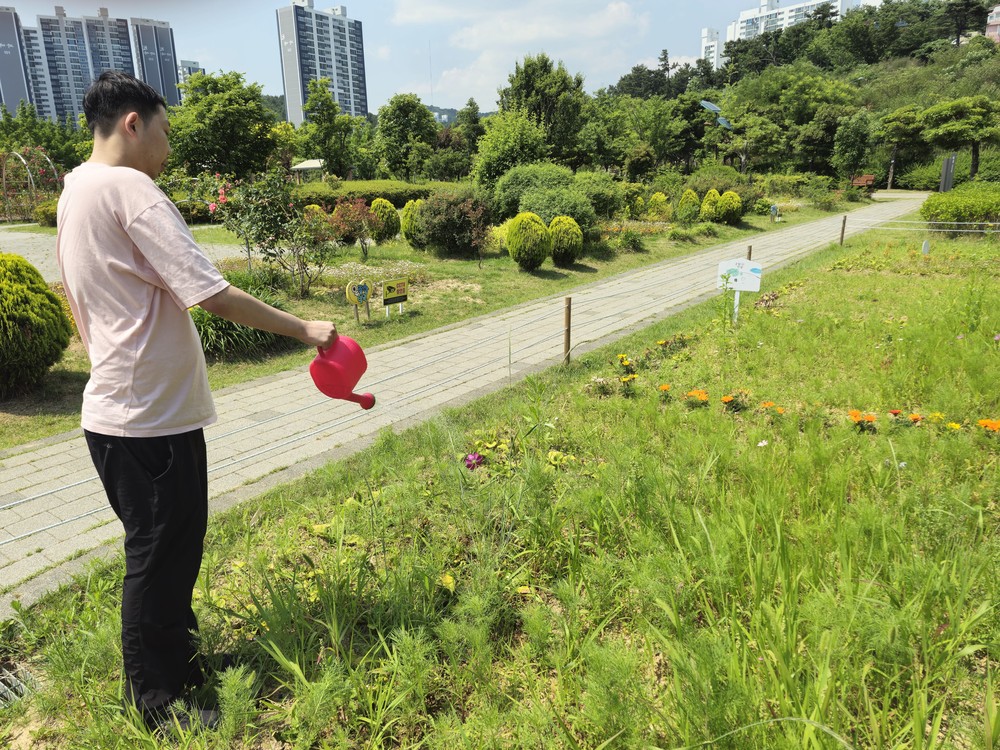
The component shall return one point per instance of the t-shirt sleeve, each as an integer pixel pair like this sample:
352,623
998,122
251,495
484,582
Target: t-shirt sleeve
165,241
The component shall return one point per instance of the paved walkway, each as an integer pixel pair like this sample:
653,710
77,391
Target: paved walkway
270,431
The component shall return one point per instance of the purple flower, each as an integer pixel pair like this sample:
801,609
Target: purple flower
473,460
997,337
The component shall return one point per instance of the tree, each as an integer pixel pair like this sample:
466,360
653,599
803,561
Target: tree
903,131
222,126
276,105
511,138
852,143
553,98
969,121
965,14
470,125
642,83
402,122
330,131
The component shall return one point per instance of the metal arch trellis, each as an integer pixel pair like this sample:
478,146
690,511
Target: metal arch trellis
15,209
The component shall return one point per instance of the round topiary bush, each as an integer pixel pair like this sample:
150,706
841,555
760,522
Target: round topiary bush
45,213
520,179
567,240
390,219
410,224
528,240
709,206
34,330
729,209
550,202
688,208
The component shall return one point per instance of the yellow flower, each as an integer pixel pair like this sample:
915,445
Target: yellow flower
953,426
936,417
779,409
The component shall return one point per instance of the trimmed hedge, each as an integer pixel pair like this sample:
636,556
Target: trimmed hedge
398,193
34,330
528,240
971,202
45,213
567,240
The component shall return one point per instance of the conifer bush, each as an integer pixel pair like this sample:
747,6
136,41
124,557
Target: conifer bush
45,213
34,330
658,208
567,240
729,209
390,219
688,209
709,206
528,240
410,224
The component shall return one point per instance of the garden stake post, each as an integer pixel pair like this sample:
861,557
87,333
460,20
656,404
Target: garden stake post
567,315
843,226
736,294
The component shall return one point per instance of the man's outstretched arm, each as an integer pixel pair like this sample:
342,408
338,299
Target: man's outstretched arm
236,305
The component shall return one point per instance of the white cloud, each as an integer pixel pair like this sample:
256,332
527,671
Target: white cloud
384,52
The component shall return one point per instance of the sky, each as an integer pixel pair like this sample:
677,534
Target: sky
444,51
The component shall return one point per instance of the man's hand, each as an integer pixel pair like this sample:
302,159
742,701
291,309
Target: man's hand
319,333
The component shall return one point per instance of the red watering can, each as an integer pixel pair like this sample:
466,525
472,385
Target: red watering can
336,371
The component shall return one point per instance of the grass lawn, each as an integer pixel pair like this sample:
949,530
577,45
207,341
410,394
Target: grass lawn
782,535
441,292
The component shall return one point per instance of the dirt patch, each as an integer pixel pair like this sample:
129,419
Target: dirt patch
467,292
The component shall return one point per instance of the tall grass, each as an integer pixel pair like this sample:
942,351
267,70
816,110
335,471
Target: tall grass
627,567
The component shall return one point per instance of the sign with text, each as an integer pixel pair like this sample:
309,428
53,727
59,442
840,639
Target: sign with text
394,291
740,275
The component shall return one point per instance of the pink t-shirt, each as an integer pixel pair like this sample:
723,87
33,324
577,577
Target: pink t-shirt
131,270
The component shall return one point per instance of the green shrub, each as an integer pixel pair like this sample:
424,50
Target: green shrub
629,241
709,206
659,208
550,202
452,224
567,240
604,194
631,193
316,193
528,241
45,213
669,182
729,209
971,202
34,330
819,192
195,211
762,207
717,176
224,338
690,234
784,184
398,193
390,219
688,209
409,224
512,186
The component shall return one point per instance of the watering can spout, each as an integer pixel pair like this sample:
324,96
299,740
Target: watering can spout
338,369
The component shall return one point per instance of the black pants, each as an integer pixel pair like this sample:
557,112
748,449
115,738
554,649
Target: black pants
158,487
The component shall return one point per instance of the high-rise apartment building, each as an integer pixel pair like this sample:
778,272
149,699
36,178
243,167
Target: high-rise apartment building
993,24
321,44
52,65
156,57
769,16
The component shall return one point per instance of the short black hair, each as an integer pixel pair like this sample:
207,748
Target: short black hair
115,94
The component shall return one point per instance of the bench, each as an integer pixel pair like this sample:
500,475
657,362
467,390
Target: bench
866,181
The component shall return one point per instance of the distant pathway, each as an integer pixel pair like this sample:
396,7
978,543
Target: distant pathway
275,429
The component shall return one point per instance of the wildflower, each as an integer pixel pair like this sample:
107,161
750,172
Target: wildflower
664,387
895,412
953,426
762,443
936,417
766,404
474,461
996,337
991,425
697,395
211,208
916,418
855,415
869,418
779,409
902,464
727,399
628,378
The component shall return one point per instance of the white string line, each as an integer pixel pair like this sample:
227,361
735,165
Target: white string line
949,231
914,221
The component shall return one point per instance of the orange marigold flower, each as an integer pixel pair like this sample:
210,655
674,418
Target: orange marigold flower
916,418
766,404
779,409
869,417
993,425
727,399
665,387
855,415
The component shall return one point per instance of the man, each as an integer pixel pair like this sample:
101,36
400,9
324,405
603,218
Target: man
131,270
